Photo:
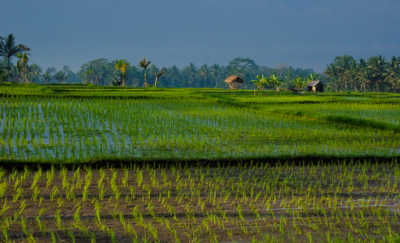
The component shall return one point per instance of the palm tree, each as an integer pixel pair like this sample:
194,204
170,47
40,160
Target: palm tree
144,64
22,66
214,73
9,49
22,63
121,66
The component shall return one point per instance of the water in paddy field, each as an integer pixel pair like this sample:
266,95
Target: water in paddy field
73,129
315,198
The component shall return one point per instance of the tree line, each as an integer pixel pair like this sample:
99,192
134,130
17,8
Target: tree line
102,72
120,72
344,74
375,74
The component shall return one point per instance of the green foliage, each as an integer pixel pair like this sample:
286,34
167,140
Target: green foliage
299,83
274,82
3,70
102,72
121,66
9,49
260,82
60,76
375,74
145,64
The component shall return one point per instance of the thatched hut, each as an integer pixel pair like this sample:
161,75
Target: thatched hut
315,86
234,81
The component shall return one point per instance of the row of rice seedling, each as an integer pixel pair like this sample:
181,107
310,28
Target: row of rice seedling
53,128
280,203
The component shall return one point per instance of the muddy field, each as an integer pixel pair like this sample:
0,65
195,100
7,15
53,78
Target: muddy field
201,204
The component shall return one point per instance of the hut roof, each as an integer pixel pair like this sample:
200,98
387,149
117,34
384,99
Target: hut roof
313,83
233,79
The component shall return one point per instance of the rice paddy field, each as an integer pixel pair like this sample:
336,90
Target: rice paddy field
82,124
94,164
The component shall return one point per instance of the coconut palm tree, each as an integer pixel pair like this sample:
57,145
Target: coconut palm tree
8,49
144,64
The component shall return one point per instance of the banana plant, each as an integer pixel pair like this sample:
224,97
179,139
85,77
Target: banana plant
260,82
299,83
274,82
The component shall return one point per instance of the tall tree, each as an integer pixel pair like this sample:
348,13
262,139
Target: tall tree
22,66
204,74
48,74
375,74
60,76
392,78
99,72
214,71
34,73
9,49
362,75
158,75
145,64
245,68
121,66
190,73
3,69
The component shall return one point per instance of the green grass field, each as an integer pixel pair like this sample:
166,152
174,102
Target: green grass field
83,124
94,164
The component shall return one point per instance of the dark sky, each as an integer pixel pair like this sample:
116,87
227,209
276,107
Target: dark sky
302,33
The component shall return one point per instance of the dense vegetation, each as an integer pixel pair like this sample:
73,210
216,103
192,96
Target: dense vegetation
375,74
344,74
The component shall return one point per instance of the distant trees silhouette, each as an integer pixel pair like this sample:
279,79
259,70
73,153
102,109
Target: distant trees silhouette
375,74
344,74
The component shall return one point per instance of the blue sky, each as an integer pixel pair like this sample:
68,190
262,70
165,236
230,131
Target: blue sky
306,33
